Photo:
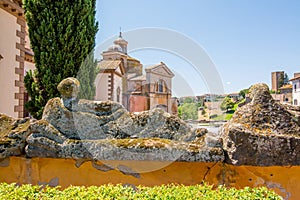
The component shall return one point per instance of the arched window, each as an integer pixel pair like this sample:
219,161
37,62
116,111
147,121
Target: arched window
156,87
161,86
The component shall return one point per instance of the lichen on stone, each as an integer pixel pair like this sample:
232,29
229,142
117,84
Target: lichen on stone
261,132
105,130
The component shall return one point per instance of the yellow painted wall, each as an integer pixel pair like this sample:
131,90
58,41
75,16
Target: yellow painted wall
8,40
66,172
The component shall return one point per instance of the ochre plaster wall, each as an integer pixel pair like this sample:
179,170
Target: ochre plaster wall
66,172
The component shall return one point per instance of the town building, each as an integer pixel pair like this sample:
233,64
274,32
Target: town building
284,95
121,78
286,92
235,97
296,89
109,81
15,58
277,80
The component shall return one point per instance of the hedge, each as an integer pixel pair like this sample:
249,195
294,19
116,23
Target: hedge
118,192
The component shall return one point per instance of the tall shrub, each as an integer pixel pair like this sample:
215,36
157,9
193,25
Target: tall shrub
62,36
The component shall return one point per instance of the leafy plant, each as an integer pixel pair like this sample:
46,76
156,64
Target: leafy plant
188,111
118,192
227,104
244,92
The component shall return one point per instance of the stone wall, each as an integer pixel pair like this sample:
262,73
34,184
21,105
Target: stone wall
66,172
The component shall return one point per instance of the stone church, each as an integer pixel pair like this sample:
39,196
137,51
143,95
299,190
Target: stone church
120,78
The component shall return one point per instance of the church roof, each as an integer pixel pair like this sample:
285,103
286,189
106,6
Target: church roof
161,65
138,78
295,78
133,59
115,47
153,66
120,40
108,64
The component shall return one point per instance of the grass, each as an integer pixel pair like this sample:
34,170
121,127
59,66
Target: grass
227,115
118,192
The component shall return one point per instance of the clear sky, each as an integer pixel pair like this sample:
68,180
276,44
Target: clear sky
245,39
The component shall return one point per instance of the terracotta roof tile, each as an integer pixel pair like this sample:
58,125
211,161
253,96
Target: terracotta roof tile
295,78
108,64
287,86
138,78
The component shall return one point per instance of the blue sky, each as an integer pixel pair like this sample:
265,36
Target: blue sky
246,40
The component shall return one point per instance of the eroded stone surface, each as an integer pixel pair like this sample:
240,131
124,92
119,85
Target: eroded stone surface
94,130
158,149
262,132
13,133
93,120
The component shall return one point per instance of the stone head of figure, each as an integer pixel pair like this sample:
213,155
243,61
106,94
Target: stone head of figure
69,88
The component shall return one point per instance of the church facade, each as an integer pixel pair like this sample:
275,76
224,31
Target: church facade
121,78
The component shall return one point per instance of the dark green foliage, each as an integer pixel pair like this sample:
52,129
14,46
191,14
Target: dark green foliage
188,111
205,192
286,79
188,100
244,92
62,36
86,75
227,104
281,81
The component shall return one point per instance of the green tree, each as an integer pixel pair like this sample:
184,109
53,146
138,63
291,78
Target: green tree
227,104
188,100
286,79
180,112
62,36
244,92
188,111
281,81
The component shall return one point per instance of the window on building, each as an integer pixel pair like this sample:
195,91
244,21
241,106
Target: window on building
138,87
295,102
295,87
161,86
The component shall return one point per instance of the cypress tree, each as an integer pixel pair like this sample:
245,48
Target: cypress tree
62,36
